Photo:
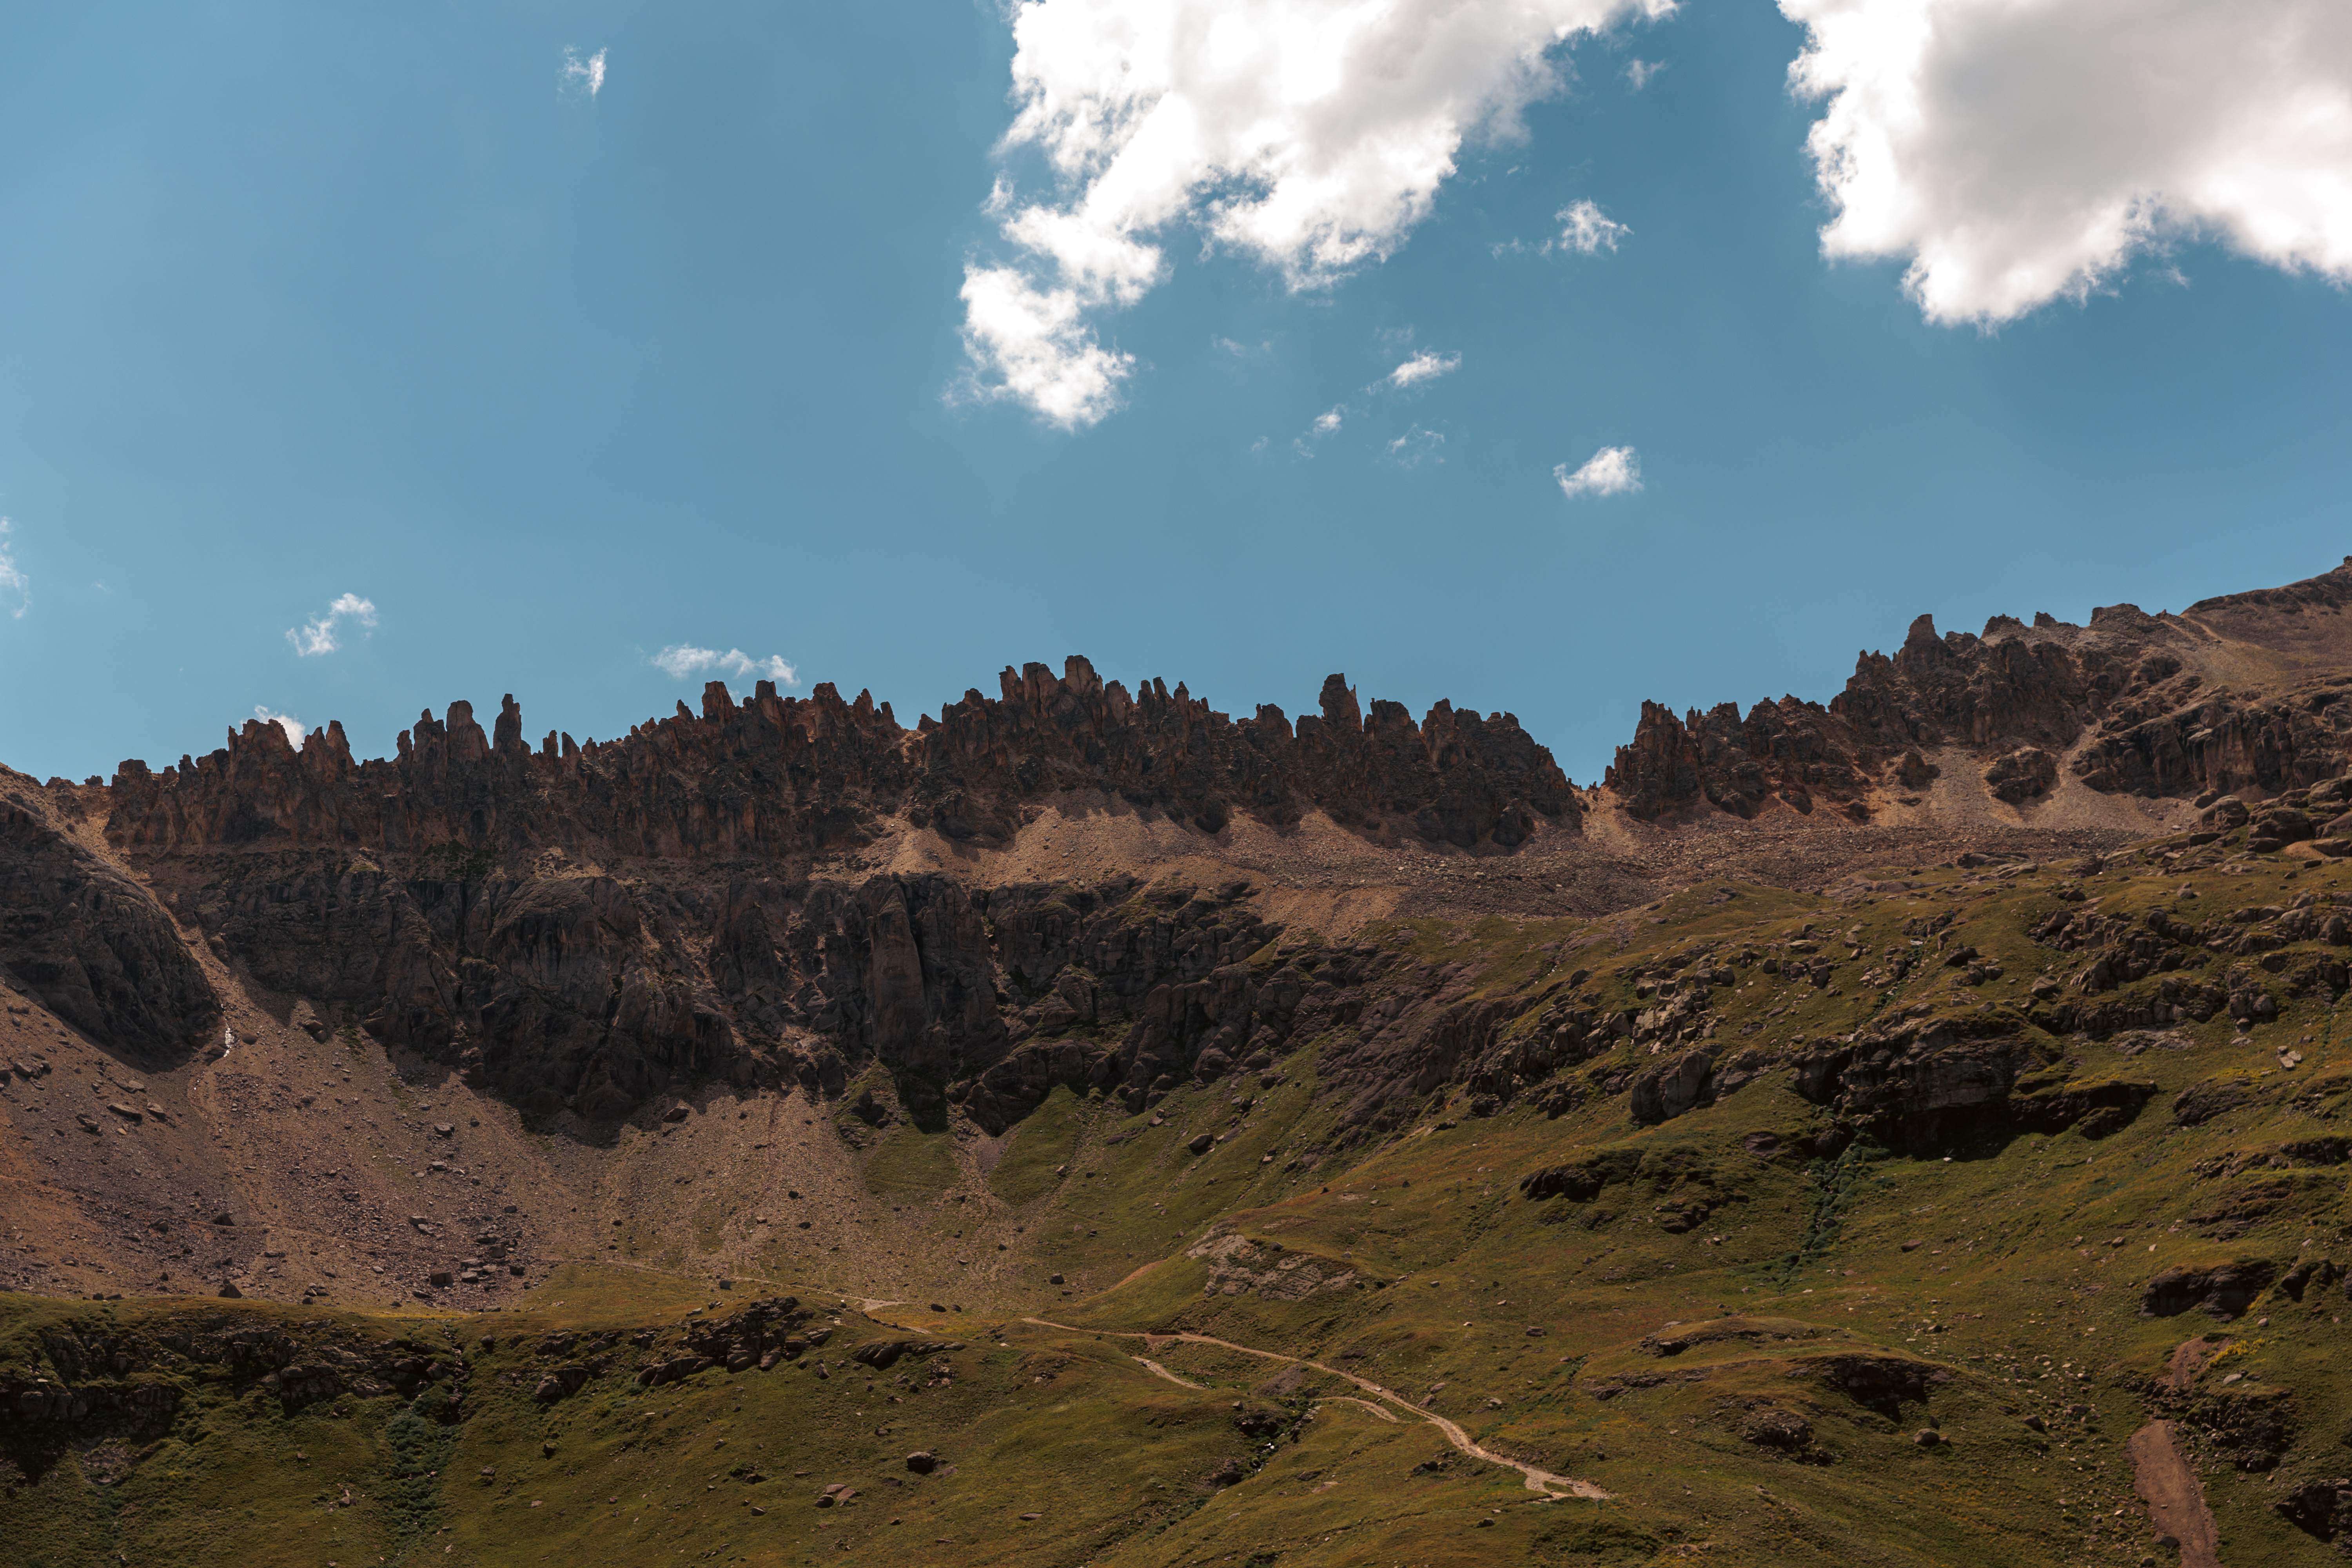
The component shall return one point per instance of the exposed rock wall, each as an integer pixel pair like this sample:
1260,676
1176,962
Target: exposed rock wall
2008,689
777,775
2176,740
2148,682
92,944
585,993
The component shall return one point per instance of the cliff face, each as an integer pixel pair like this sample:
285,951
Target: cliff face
586,994
782,775
433,898
90,942
2151,686
582,928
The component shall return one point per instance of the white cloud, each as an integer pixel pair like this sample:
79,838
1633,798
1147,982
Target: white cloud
1326,423
1611,471
16,588
1416,446
1640,72
1311,135
1040,350
2018,150
317,635
683,659
294,728
1584,227
1426,365
588,75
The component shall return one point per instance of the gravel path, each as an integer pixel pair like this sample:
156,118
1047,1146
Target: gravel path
2176,1499
1538,1480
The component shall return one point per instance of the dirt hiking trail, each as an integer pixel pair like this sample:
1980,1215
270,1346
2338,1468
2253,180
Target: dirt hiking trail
1539,1480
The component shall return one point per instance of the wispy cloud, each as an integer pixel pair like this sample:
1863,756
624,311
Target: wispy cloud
1611,471
587,75
1640,72
294,728
1416,446
684,659
318,634
1326,423
1242,351
16,588
1585,228
1426,365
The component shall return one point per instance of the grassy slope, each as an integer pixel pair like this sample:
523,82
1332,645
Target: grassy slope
2013,1268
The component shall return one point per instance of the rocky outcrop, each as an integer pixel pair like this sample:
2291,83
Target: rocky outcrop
1920,1083
2021,775
778,776
2009,689
2320,1508
1239,1267
2021,696
2177,739
1683,1180
587,995
2224,1289
1916,1085
90,942
1665,1092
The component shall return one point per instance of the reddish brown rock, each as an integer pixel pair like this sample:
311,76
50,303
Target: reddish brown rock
2145,687
779,774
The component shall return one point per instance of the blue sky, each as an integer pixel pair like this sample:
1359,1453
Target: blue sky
300,302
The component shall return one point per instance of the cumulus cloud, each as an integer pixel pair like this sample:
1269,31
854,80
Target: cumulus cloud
1034,346
1426,365
319,634
1640,72
1611,471
294,728
682,660
2018,150
16,588
1585,228
587,75
1309,135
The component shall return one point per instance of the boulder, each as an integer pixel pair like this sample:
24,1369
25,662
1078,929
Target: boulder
2223,1289
1665,1092
1774,1428
2021,775
561,1384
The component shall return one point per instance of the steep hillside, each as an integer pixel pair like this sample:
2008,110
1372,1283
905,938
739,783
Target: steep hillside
1083,1129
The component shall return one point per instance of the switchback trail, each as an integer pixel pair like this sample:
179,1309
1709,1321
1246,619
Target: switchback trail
1539,1480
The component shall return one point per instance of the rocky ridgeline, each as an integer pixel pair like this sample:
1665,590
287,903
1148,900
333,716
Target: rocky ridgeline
415,896
592,993
779,776
2018,695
